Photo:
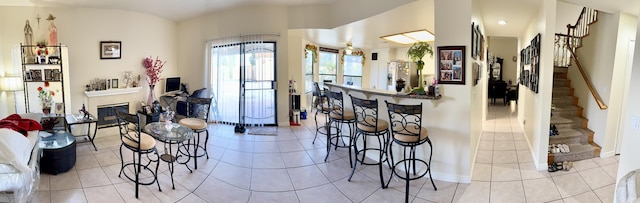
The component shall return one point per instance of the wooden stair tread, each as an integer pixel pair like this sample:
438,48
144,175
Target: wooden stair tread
564,107
564,120
569,132
577,152
562,97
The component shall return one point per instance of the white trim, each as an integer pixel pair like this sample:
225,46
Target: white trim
607,154
110,92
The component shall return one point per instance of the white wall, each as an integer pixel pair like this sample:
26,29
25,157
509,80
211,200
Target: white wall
455,105
534,109
631,137
619,81
566,13
506,48
82,29
477,93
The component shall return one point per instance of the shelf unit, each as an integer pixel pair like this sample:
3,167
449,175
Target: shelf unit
53,70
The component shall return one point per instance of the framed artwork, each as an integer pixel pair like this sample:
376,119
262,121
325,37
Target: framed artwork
479,43
59,108
48,74
474,39
451,65
36,75
55,74
475,73
110,49
114,83
28,76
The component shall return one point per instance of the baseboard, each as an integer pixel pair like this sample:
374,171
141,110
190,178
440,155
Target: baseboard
283,124
607,154
451,178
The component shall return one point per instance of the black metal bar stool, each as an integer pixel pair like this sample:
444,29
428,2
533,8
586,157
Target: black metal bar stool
198,114
321,104
139,143
368,125
407,131
339,116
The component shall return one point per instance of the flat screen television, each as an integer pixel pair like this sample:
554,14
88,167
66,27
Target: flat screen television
172,84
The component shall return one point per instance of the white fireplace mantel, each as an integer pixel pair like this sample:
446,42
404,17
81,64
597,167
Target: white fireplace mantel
110,92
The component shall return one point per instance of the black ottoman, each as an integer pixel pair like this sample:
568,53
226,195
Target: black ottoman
58,152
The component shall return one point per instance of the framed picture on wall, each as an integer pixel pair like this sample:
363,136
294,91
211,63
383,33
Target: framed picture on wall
110,49
474,39
451,68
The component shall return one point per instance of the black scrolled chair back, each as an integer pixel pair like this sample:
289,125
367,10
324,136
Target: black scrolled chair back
336,102
366,111
319,96
129,125
199,107
405,119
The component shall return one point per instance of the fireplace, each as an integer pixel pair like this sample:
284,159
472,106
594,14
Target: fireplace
107,114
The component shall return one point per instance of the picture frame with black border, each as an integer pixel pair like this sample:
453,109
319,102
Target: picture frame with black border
55,75
473,40
28,76
48,74
114,83
36,75
478,42
449,72
110,49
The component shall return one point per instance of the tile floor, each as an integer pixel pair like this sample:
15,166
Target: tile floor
289,168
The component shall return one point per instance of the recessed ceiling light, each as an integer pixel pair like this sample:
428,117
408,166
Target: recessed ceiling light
502,22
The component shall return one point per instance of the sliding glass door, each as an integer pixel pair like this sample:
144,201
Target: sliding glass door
243,80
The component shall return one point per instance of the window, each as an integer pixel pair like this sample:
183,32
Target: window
352,70
328,66
308,71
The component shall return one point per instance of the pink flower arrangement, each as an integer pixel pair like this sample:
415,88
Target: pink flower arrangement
153,69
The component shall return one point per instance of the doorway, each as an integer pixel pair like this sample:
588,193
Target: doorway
243,83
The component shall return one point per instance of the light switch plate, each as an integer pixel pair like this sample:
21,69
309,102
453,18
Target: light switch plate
635,122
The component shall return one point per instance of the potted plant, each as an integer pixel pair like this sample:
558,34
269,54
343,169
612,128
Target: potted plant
416,53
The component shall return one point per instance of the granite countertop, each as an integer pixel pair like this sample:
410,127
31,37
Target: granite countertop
394,94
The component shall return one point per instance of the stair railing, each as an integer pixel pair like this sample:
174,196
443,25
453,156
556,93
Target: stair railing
593,91
566,45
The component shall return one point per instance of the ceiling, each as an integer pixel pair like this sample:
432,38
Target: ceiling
364,33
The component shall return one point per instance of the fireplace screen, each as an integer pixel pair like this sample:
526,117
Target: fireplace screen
107,114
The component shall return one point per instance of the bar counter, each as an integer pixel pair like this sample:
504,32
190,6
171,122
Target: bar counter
368,92
446,126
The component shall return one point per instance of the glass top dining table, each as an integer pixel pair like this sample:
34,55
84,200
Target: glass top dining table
168,132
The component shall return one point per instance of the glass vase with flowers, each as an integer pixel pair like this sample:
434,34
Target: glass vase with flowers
46,98
153,68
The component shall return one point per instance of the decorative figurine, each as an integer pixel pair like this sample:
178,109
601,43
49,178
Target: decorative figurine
86,114
53,31
28,41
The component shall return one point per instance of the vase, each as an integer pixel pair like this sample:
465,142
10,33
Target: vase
152,96
46,111
400,83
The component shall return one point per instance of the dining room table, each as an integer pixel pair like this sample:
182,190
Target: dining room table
171,134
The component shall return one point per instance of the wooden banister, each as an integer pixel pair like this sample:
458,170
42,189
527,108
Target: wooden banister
593,91
566,45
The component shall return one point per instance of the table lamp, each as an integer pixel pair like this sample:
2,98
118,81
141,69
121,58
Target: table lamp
11,84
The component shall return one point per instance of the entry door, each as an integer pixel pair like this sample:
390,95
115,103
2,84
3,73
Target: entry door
243,81
259,84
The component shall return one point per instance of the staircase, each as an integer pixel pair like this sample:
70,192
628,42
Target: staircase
567,115
572,126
